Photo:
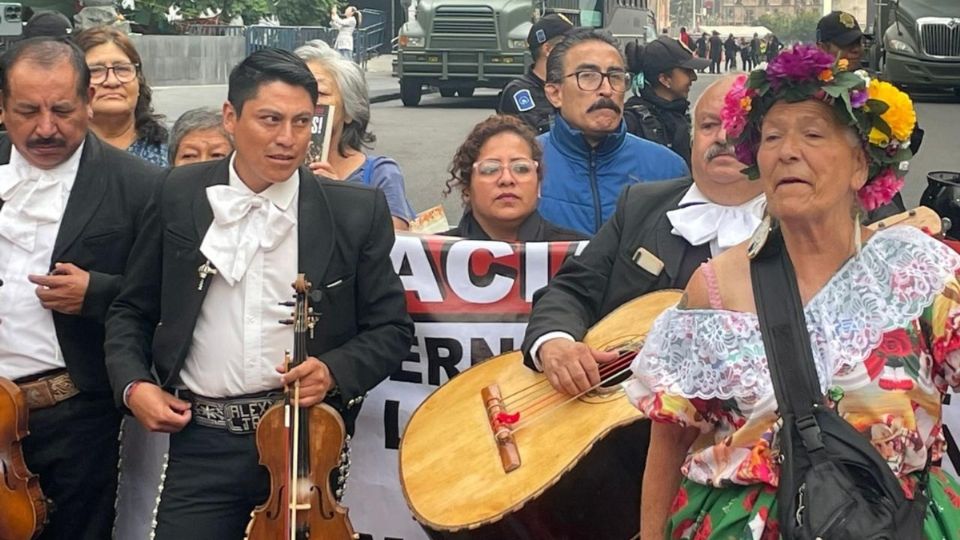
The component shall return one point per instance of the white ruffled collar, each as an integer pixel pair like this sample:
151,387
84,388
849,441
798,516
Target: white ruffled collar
708,353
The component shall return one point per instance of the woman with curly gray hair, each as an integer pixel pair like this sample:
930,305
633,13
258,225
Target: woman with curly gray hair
341,84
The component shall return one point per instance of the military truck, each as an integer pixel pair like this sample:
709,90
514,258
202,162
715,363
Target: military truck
916,42
457,46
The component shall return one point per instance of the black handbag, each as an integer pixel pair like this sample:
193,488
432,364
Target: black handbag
834,485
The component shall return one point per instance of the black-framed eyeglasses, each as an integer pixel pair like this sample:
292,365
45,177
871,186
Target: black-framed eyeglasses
590,80
123,72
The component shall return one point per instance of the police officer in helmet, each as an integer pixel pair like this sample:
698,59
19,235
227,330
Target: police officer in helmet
524,97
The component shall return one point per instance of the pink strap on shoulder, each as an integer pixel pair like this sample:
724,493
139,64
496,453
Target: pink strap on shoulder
713,288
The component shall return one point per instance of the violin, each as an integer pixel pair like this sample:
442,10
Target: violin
300,446
23,509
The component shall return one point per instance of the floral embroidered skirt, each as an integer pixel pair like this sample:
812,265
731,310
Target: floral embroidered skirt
750,512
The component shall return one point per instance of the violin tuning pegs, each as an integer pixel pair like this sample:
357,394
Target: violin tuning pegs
286,321
288,303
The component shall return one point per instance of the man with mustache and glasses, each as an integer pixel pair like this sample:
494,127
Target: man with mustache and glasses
70,208
660,233
588,154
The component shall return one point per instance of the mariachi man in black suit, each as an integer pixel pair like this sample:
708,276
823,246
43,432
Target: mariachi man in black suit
70,208
659,235
222,244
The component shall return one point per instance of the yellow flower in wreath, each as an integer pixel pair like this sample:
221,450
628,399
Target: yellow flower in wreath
900,114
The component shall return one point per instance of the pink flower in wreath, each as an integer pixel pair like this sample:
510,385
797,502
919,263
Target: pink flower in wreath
736,107
880,190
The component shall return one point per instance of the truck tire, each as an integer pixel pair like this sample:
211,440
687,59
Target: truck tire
410,92
447,92
465,92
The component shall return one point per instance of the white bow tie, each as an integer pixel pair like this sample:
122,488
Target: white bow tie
31,196
705,222
243,222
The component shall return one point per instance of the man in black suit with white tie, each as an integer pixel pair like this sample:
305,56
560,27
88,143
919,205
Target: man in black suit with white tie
70,208
223,243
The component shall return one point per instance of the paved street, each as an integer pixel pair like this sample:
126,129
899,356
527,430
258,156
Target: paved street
423,139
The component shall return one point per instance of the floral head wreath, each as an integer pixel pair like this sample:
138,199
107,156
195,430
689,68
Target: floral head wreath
883,116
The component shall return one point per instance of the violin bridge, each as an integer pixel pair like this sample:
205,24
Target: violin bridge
502,432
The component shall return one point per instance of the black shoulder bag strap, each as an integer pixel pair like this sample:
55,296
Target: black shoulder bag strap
785,336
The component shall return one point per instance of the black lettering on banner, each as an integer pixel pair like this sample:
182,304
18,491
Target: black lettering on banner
454,353
403,375
391,424
480,349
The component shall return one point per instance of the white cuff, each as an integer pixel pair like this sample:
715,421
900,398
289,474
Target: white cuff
543,339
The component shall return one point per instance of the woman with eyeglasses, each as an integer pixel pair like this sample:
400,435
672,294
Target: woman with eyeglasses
498,172
122,112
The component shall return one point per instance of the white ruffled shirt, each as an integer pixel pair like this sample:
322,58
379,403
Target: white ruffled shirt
34,202
238,341
699,220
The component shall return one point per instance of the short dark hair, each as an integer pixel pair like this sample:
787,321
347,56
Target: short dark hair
575,37
47,52
267,66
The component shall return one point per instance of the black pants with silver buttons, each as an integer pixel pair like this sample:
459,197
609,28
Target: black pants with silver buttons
213,481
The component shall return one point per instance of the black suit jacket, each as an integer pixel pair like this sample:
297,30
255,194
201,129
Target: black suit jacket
345,238
604,276
100,222
593,284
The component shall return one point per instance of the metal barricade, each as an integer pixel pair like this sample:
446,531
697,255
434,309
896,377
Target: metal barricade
214,30
367,40
278,37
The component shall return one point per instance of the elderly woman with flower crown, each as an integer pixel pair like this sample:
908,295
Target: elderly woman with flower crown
882,310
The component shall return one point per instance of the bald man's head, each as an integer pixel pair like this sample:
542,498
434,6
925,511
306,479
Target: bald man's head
715,168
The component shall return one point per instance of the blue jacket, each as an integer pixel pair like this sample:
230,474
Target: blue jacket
581,184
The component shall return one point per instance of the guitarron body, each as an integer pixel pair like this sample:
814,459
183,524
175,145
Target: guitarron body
574,473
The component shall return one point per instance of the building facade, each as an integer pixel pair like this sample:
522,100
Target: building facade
746,12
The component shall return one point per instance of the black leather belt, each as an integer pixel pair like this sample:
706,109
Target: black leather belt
239,415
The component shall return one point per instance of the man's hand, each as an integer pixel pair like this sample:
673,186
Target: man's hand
570,366
64,289
157,409
315,380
